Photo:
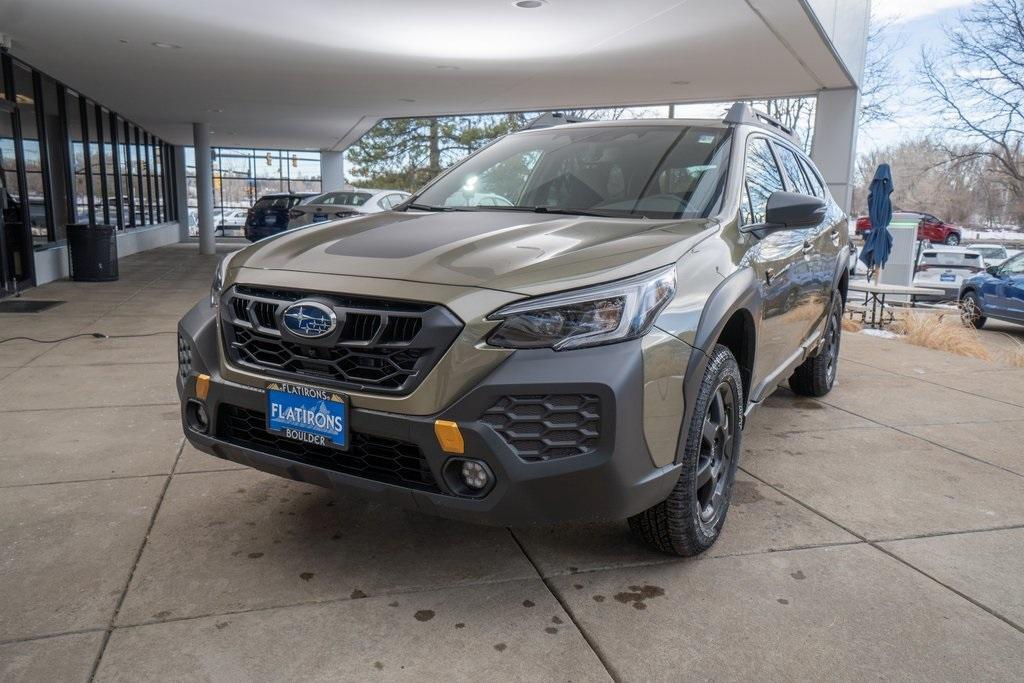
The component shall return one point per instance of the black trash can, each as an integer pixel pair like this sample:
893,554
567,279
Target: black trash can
92,252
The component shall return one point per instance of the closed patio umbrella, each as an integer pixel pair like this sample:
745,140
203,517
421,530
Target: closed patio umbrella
879,243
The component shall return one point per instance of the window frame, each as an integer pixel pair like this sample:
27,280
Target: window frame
744,190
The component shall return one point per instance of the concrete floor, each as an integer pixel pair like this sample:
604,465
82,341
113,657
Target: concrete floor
875,534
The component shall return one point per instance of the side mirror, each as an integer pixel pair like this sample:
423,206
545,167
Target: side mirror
788,211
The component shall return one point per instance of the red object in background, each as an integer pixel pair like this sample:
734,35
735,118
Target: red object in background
928,228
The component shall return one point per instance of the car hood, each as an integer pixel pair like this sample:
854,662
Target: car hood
506,250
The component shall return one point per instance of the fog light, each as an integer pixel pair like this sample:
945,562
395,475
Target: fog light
475,475
197,417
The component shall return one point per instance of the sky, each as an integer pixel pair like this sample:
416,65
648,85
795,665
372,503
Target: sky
917,24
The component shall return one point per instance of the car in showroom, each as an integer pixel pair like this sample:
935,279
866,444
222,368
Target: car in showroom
269,215
997,292
945,269
588,351
343,204
928,228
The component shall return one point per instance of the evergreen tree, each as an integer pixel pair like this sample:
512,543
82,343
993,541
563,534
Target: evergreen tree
407,153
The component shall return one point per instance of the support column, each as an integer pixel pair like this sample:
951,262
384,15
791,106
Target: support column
332,170
204,187
835,141
181,191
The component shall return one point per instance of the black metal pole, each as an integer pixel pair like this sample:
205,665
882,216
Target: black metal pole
115,155
83,113
103,164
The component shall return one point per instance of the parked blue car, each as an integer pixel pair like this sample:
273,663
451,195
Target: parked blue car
996,292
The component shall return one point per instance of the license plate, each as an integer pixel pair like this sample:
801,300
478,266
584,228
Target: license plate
947,277
308,414
319,216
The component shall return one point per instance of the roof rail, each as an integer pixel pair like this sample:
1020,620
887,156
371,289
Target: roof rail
553,118
742,112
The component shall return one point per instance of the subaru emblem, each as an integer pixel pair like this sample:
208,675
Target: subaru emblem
309,319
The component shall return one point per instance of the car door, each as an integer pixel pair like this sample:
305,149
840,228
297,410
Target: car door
814,273
777,260
1010,288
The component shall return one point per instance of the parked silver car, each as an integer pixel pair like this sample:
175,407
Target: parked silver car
344,204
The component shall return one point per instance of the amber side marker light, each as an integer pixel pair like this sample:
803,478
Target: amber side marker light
449,437
202,387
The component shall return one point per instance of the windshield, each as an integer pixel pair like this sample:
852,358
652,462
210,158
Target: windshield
636,171
342,198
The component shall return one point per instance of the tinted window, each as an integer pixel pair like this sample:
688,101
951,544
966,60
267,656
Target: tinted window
817,189
762,178
342,198
629,171
792,165
278,202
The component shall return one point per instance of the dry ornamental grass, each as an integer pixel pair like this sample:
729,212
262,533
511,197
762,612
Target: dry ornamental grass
942,331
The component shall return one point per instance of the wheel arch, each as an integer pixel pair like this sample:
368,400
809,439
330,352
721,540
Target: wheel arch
730,317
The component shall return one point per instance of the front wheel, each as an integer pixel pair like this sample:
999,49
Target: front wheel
952,239
817,375
690,520
970,311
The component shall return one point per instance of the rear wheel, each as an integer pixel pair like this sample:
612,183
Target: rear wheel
816,375
952,239
690,520
970,311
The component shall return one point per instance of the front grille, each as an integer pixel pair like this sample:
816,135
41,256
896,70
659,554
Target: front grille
382,346
371,457
549,426
184,357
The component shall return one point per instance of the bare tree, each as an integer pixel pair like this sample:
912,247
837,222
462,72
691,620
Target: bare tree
977,84
881,83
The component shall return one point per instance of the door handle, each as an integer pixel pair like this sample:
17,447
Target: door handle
835,236
807,247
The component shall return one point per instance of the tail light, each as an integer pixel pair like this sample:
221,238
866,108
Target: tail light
295,213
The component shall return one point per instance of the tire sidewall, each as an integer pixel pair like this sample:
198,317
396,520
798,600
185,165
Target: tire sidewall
721,367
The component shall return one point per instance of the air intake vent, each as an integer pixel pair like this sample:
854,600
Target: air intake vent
549,426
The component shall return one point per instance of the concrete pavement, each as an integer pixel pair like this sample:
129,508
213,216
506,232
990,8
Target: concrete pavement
876,533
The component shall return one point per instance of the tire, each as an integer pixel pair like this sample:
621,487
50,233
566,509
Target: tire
970,311
690,520
817,375
952,239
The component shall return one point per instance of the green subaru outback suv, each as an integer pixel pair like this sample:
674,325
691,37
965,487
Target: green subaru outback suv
572,323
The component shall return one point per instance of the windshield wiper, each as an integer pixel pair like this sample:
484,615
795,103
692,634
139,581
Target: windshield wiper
564,212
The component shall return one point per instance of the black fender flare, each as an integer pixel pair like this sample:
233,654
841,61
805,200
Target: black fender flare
738,292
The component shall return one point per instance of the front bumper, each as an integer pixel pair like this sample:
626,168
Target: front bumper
615,479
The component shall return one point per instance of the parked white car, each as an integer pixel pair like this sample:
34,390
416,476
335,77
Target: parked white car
330,206
994,254
946,269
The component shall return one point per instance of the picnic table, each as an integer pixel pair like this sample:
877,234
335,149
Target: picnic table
874,312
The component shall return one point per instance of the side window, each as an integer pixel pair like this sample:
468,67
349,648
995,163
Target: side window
395,200
1015,266
761,179
796,174
817,189
384,202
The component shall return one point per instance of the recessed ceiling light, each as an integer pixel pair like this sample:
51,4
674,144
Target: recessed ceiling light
448,67
529,4
166,46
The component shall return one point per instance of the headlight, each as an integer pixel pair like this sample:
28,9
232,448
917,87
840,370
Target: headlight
218,281
605,314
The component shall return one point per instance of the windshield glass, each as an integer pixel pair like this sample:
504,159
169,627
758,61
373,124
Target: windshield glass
635,171
342,198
